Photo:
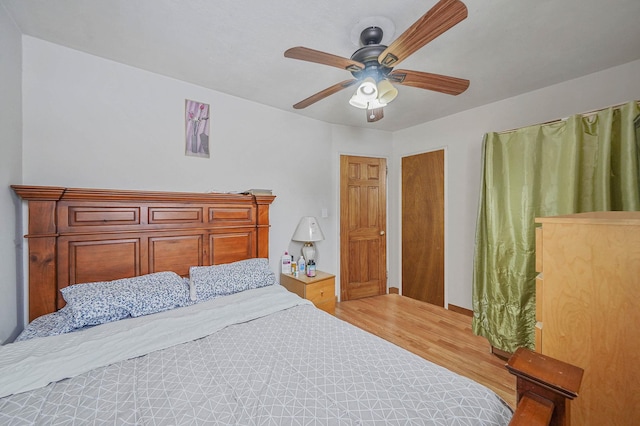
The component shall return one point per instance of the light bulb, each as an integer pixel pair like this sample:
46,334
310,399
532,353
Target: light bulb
368,89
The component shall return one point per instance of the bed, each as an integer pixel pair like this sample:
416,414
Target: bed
215,340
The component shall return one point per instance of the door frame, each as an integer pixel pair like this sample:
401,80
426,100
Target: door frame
339,217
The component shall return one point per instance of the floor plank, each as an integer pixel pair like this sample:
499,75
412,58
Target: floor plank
434,333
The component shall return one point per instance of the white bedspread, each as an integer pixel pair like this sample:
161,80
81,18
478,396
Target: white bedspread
291,365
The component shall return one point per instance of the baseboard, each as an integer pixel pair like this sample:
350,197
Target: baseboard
394,290
460,310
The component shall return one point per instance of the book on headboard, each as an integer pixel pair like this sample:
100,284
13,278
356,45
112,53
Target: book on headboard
258,191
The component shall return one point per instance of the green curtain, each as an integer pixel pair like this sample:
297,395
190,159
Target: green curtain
584,163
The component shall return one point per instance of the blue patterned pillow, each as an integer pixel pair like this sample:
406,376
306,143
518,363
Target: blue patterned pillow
208,282
101,302
48,325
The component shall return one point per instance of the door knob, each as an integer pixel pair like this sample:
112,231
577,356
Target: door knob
381,232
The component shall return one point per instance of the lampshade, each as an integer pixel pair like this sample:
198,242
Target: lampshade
308,231
376,103
370,95
386,91
368,89
358,102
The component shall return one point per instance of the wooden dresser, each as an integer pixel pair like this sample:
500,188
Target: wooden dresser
587,309
321,289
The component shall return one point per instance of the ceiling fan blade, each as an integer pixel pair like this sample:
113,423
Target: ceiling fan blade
444,15
375,114
428,81
310,55
324,93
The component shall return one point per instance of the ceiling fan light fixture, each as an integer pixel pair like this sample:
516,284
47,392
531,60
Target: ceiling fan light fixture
386,91
361,101
376,103
358,102
368,89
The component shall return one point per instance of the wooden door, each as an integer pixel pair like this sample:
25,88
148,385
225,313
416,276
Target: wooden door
363,218
423,227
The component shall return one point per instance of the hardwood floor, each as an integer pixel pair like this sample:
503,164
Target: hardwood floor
434,333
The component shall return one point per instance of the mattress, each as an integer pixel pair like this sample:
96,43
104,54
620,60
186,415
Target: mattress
259,357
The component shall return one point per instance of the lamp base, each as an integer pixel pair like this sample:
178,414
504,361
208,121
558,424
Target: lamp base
309,252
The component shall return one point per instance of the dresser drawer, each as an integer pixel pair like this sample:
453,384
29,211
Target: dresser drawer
321,292
539,249
539,297
538,342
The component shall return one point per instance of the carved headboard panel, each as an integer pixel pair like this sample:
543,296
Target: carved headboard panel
83,235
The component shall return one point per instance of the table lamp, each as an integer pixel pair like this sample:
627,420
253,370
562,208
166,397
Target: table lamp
308,231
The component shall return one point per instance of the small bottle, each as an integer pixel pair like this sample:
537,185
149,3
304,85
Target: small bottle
294,269
286,263
311,268
301,264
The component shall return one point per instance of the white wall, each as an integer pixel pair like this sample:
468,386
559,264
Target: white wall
10,173
90,122
461,135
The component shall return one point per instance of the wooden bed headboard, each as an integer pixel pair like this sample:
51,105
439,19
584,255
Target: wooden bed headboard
84,235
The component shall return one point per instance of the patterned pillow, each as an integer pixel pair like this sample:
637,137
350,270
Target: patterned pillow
208,282
101,302
48,325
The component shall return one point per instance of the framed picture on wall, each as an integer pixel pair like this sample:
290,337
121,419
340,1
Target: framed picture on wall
196,129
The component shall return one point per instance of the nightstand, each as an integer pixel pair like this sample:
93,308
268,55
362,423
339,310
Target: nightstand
321,289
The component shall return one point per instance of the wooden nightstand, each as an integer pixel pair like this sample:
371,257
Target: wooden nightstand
321,289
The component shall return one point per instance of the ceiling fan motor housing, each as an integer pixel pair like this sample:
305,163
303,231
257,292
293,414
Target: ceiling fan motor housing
370,39
371,35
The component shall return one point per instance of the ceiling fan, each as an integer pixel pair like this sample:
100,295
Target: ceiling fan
372,64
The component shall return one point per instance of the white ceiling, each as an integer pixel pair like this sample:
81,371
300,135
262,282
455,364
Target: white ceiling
504,47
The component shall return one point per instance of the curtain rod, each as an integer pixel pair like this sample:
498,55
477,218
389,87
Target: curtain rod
584,114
